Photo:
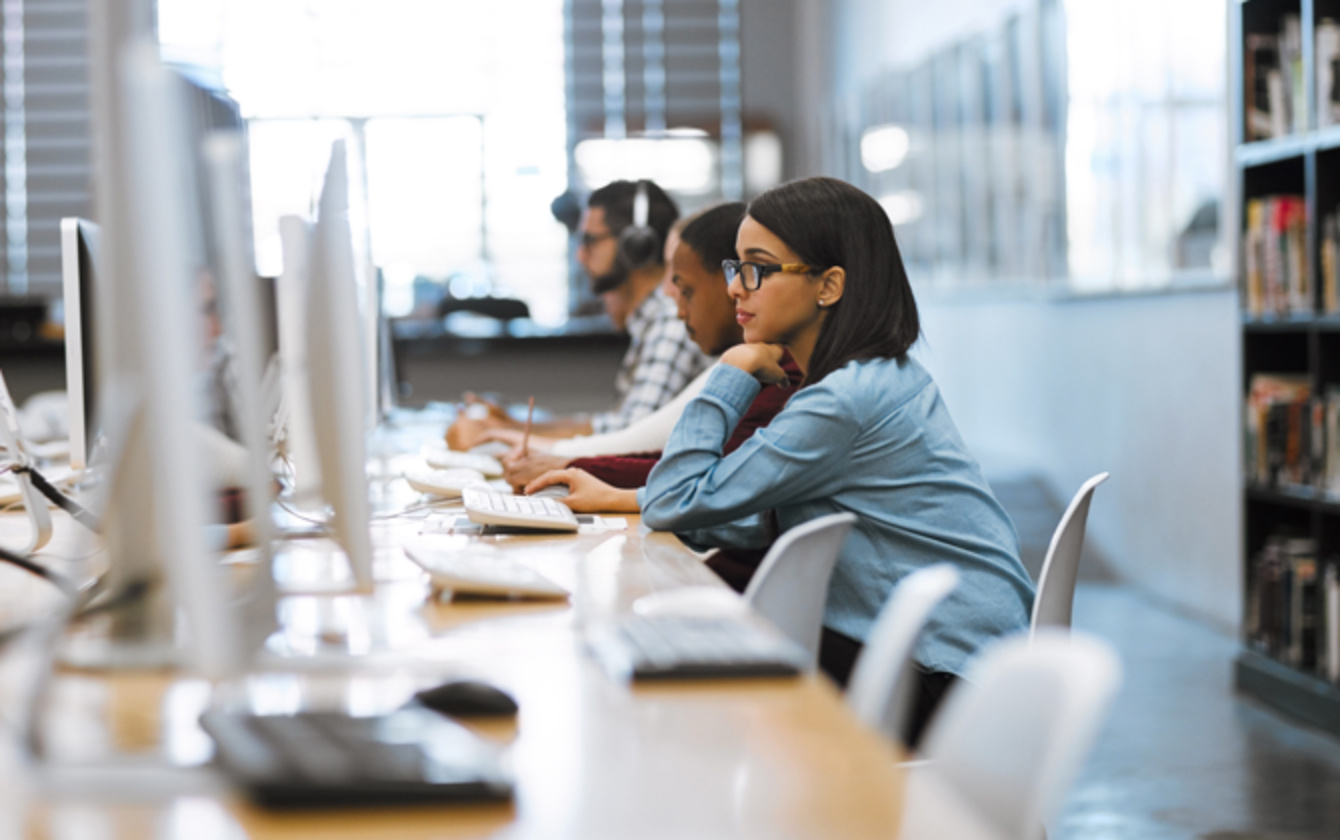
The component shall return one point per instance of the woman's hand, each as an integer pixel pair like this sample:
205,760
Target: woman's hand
761,361
520,470
586,493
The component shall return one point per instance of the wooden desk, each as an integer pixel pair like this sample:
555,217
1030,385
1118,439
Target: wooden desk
592,758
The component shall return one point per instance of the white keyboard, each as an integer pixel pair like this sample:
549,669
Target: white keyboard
494,508
483,575
441,458
494,448
445,483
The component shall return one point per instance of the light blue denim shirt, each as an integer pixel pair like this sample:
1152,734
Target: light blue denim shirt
873,438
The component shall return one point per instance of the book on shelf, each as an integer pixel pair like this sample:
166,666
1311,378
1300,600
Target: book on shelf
1291,437
1329,270
1327,57
1291,69
1330,441
1275,276
1273,85
1260,60
1330,624
1293,607
1279,432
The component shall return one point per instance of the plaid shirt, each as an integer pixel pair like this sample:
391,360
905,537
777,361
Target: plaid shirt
660,361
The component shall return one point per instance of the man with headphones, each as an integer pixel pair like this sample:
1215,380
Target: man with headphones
621,247
623,233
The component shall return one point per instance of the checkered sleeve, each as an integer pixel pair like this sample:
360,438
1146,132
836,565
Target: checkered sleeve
666,360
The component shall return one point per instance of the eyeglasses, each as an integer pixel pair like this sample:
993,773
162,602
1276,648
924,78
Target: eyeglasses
591,240
751,274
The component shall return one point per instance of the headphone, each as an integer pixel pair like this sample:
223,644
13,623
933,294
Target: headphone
639,244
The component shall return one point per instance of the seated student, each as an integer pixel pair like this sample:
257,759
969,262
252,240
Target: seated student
644,435
661,359
820,276
606,483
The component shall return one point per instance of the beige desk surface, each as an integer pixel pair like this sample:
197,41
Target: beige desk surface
592,758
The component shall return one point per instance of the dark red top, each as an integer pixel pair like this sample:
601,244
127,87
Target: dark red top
631,471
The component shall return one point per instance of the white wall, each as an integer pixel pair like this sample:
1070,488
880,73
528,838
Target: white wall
1144,387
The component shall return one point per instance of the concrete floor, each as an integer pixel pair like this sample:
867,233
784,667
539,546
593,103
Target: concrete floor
1181,755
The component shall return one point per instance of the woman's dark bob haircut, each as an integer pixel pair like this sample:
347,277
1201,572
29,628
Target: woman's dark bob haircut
828,223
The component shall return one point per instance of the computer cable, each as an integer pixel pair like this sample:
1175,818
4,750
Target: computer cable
59,499
58,580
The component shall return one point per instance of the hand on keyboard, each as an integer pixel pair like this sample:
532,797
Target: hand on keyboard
520,470
586,493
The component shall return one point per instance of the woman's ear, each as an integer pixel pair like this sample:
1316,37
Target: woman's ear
832,283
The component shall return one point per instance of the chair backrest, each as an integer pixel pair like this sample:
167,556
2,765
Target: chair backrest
879,690
1012,737
1056,584
791,584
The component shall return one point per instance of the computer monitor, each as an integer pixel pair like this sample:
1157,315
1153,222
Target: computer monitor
79,260
244,319
295,412
11,451
337,367
156,487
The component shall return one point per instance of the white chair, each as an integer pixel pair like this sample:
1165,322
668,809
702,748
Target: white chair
1010,740
880,688
1056,584
791,584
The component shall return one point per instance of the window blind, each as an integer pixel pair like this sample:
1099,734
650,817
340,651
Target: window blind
642,66
48,161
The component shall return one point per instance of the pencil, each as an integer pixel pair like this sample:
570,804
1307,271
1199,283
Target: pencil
525,436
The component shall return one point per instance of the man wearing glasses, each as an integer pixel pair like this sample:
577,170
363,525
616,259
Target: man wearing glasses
625,261
661,358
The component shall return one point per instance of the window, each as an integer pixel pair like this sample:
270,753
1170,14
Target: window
459,110
1147,144
1078,144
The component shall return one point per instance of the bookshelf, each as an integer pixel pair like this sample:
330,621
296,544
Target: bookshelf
1287,163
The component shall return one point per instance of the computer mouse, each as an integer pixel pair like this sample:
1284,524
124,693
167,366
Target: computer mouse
467,698
702,601
553,491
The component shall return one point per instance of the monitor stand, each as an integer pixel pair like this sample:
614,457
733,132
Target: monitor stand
33,502
325,619
48,762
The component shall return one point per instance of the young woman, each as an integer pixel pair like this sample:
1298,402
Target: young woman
819,275
608,483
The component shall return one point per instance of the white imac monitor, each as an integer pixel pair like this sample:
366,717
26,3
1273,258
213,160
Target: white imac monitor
295,410
337,370
157,489
79,260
